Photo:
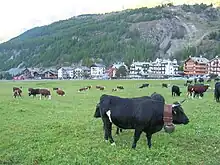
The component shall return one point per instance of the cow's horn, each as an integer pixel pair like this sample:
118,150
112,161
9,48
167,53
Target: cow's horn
182,101
174,105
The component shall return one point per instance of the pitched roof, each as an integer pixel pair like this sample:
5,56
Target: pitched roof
97,65
200,59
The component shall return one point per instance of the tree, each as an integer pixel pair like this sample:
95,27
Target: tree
121,72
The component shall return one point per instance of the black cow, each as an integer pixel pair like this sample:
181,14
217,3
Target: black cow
217,79
144,85
201,80
142,114
120,87
189,81
164,85
175,90
154,96
217,91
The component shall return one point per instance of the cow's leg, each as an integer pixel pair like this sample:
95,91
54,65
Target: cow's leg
109,126
40,96
137,134
108,130
105,133
149,140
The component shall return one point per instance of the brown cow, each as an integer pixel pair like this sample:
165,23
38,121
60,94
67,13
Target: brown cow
16,88
60,92
98,86
83,89
45,93
41,92
102,88
17,91
89,87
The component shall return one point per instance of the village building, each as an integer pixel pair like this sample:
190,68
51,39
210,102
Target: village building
195,66
214,66
97,70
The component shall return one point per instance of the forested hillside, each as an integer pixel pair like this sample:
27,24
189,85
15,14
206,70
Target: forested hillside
140,34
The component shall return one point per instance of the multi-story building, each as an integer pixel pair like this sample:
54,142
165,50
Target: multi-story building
65,72
165,67
159,66
97,70
196,66
214,66
139,68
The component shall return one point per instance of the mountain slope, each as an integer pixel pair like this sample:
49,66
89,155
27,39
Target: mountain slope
140,34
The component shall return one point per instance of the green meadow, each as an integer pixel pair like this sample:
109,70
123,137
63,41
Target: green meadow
63,130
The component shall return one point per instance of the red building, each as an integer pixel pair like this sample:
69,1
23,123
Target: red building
196,66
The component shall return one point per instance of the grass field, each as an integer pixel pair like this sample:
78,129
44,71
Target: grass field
63,131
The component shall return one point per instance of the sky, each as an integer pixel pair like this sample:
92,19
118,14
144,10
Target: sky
17,16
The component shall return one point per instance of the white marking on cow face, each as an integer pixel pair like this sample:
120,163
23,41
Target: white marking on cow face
113,144
108,113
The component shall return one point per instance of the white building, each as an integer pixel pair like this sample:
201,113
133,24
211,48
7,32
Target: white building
159,66
65,72
165,67
139,68
97,70
81,71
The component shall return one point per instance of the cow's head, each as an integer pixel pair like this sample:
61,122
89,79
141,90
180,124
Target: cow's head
179,117
178,93
97,111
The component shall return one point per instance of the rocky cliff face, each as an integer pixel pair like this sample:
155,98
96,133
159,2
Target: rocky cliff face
139,34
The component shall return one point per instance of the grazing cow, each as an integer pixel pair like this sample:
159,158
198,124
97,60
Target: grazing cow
189,81
197,90
164,85
217,91
89,87
83,89
175,90
98,86
60,92
17,91
144,85
41,92
201,80
217,79
16,88
102,88
114,89
142,114
120,87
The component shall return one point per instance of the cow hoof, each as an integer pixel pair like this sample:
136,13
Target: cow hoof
113,144
106,141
